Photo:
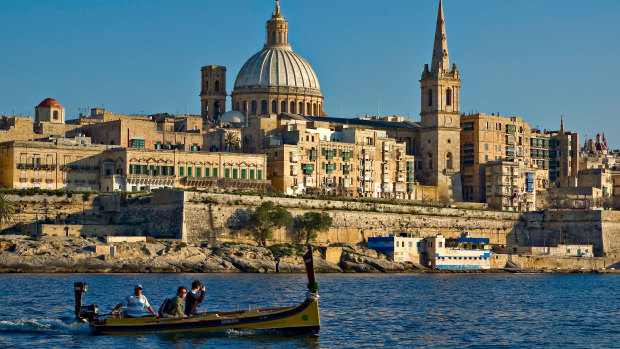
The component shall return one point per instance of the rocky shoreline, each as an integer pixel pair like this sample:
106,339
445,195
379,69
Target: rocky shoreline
84,255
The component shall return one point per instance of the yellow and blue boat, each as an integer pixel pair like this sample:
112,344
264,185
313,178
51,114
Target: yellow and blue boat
299,319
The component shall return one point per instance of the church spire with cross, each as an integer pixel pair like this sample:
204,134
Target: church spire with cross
277,29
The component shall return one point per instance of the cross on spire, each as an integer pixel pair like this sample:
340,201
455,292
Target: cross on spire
440,48
277,6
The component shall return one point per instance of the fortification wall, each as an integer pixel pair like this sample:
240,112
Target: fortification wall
225,217
550,228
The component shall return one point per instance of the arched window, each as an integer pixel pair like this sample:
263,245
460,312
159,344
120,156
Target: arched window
448,97
292,107
217,86
280,37
316,111
263,107
207,85
254,107
449,161
273,37
274,107
430,97
245,107
283,107
301,108
308,109
55,114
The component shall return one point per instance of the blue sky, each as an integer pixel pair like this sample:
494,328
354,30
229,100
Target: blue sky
534,59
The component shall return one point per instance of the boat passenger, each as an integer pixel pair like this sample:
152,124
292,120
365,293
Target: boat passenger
136,304
175,305
192,300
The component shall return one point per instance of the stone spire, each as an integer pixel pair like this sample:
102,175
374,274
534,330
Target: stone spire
440,48
277,29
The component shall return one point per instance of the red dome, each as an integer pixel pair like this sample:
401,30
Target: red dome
49,103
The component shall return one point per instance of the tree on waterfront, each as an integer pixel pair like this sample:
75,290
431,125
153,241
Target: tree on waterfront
267,217
311,223
7,209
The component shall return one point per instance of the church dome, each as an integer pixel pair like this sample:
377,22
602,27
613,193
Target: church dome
233,116
277,66
49,103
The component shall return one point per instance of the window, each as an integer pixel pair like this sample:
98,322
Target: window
207,172
189,171
292,107
439,244
273,37
181,171
251,174
214,172
468,126
448,97
234,173
260,174
198,172
227,173
283,107
263,107
301,108
468,148
243,174
254,106
137,143
449,161
217,86
274,107
430,97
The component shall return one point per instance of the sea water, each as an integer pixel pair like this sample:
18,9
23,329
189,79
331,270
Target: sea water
357,310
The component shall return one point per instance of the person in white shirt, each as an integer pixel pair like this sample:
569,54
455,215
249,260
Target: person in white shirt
135,304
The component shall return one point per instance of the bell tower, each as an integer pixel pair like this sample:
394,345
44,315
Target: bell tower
440,87
212,93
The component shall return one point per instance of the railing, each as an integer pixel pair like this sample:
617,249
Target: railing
27,166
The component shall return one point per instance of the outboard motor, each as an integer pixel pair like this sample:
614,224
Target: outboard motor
83,313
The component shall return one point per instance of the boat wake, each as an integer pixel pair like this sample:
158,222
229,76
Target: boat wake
42,326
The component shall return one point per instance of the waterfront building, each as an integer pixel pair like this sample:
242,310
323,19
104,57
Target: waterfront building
398,248
469,253
510,185
71,164
135,169
564,157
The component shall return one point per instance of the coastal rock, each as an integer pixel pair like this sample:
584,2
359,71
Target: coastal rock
323,266
357,267
247,265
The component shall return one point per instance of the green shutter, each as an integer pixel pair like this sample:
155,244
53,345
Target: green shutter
227,173
207,172
251,174
243,173
198,172
189,171
215,172
260,174
235,173
181,171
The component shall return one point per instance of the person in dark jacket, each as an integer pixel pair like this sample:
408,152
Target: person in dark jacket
193,300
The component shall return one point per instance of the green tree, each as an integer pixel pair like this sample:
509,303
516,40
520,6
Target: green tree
7,209
267,217
311,223
232,141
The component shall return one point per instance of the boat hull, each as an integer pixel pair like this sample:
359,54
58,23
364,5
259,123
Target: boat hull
302,319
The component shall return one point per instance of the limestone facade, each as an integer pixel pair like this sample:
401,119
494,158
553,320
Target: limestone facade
213,93
56,164
510,186
129,169
487,138
49,110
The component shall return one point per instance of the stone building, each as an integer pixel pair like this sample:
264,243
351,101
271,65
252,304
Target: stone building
164,132
130,169
487,138
49,110
16,128
510,186
348,161
564,157
71,164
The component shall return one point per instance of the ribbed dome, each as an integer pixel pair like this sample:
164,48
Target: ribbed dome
49,103
277,66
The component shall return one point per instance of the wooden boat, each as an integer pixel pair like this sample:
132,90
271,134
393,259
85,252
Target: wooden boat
300,319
